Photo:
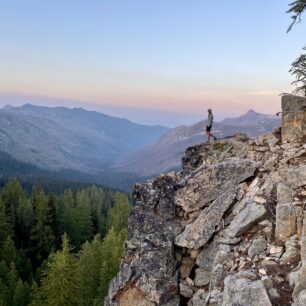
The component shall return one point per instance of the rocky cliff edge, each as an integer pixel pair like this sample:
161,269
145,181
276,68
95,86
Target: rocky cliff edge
229,229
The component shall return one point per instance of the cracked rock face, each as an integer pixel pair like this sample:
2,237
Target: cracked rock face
246,218
229,229
200,231
149,265
209,182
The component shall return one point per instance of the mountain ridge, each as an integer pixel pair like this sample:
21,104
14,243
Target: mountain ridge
62,138
164,155
35,108
250,118
95,144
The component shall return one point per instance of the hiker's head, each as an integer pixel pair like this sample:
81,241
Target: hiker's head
209,111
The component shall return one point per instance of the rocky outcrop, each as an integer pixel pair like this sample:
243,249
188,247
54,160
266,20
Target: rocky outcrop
294,117
150,264
210,181
229,229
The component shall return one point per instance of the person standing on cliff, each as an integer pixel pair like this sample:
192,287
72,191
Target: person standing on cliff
209,124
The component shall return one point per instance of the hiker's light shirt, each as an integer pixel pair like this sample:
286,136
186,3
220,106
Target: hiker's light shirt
210,120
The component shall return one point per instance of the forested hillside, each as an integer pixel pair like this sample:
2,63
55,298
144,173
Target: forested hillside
59,249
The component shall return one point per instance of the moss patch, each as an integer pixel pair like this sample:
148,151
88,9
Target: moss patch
220,146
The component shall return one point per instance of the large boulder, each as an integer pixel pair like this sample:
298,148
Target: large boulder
246,218
199,232
242,291
294,177
208,182
285,212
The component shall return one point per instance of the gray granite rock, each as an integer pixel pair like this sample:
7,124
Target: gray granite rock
294,177
207,183
199,298
258,246
273,138
246,218
217,276
300,282
206,257
293,117
285,214
186,290
150,255
227,240
202,277
222,257
301,299
241,291
199,232
292,251
241,137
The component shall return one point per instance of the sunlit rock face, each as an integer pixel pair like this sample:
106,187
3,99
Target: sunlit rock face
228,229
293,117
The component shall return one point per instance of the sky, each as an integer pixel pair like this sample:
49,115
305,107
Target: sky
150,61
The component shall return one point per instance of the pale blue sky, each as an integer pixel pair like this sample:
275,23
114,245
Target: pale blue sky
154,61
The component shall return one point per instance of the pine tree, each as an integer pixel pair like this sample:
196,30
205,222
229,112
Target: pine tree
118,215
64,211
8,252
24,223
60,284
112,251
82,217
11,282
75,217
100,202
298,70
21,294
42,235
12,195
54,222
36,297
297,7
4,227
13,291
89,264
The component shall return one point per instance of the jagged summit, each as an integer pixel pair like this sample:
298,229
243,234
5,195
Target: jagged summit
228,229
250,118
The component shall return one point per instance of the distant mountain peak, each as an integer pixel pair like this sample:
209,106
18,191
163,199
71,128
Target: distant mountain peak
250,118
8,107
251,112
28,105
